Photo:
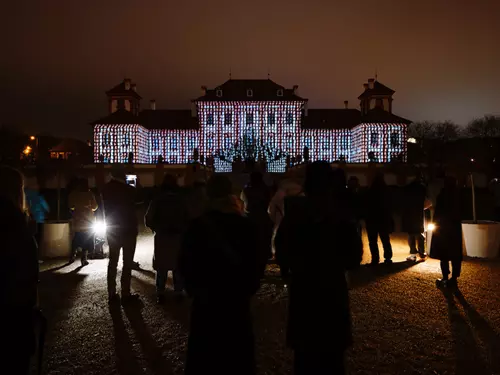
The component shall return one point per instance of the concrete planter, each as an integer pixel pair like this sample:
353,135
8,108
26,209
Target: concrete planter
481,238
56,240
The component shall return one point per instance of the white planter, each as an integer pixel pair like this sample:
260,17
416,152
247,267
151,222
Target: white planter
481,239
56,240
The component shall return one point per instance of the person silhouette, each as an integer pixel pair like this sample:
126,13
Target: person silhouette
319,237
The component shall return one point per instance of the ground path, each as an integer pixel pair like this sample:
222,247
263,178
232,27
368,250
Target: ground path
402,323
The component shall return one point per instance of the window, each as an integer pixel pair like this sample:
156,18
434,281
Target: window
106,138
249,119
210,119
126,139
279,92
290,141
326,143
156,143
308,142
374,139
218,92
379,103
228,118
227,141
271,118
394,139
289,118
249,93
210,142
173,143
344,142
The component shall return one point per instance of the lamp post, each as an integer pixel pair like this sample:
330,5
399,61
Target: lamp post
36,139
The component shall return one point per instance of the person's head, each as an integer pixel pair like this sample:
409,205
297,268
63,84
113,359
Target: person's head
353,183
319,178
256,178
219,187
83,184
169,182
12,186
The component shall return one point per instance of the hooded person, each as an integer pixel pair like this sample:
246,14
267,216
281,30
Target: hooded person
119,200
19,279
221,270
167,217
319,237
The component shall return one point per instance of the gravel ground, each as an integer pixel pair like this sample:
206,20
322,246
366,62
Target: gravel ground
402,323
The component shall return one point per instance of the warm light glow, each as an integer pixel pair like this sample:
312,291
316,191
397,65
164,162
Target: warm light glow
99,228
412,140
431,227
27,150
472,160
32,138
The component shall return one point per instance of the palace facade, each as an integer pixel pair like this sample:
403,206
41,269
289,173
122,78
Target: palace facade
250,118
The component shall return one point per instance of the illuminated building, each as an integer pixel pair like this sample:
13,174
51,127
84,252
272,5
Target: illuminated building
256,119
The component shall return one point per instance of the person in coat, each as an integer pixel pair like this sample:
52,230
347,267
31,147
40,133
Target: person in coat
167,217
446,242
318,234
120,200
82,203
256,197
221,269
416,203
19,277
378,219
39,208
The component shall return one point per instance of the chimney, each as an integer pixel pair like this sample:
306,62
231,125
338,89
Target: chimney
365,86
203,90
371,83
346,104
134,87
127,82
295,89
152,103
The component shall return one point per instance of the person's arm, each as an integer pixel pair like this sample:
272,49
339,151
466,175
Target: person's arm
93,203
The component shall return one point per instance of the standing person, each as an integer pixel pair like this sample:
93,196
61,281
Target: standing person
447,237
319,328
256,197
82,204
167,217
220,248
354,196
287,188
378,219
39,209
119,200
18,280
413,217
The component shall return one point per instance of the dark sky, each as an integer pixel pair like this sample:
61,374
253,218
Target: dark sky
58,57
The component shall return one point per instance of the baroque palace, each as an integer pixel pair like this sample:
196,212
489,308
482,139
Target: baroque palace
243,119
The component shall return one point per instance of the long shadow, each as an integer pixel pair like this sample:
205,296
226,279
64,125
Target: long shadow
54,269
179,311
467,354
486,332
147,273
365,275
152,353
126,363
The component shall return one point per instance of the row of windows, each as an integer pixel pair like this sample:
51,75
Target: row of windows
218,92
394,139
271,118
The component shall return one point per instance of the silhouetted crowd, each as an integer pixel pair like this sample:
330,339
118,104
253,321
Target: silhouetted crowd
209,235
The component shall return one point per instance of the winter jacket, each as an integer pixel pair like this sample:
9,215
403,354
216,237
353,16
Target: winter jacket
120,208
37,205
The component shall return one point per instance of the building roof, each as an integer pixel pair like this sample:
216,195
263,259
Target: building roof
168,119
379,115
70,145
331,119
378,89
262,90
121,90
121,116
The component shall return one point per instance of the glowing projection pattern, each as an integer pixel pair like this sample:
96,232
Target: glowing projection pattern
386,141
174,146
327,144
116,142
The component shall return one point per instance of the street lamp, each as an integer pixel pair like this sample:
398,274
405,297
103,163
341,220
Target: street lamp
32,138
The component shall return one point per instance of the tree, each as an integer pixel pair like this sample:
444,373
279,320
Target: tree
484,127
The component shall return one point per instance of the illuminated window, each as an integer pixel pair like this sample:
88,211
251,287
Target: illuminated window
126,138
173,143
344,142
326,142
228,118
249,93
156,143
289,118
227,141
106,138
308,142
374,139
249,119
210,119
271,118
394,139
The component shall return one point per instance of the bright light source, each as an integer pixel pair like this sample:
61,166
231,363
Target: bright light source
99,228
431,227
412,140
32,137
27,150
472,160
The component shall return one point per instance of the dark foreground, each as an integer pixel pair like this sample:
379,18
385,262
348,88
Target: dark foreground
402,323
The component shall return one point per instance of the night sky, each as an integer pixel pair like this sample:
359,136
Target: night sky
441,56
